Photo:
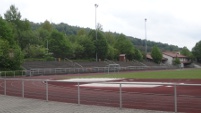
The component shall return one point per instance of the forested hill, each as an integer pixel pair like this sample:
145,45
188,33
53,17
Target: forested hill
138,43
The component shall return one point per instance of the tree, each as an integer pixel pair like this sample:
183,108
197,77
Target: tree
59,45
185,52
99,27
110,38
66,29
137,55
44,32
176,61
156,54
4,47
47,26
6,31
15,58
88,46
100,44
11,57
124,46
27,38
35,51
197,51
21,29
112,53
12,15
81,32
78,50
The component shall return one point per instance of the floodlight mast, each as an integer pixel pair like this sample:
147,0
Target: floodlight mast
96,6
145,37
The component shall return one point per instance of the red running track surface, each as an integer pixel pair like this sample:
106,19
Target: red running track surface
157,98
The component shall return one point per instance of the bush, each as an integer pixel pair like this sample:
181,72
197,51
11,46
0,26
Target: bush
176,61
49,58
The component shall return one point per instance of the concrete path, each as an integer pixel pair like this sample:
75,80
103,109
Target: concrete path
9,104
196,66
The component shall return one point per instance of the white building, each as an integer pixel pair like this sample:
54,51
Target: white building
173,55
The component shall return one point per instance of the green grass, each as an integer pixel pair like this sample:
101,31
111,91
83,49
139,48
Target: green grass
162,74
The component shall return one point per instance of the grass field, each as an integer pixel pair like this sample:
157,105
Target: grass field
161,74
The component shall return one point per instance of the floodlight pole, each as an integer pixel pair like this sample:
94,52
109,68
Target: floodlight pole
145,37
96,5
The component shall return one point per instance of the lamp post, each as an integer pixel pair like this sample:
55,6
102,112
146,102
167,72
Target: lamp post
96,5
145,37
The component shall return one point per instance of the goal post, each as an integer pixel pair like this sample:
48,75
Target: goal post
113,68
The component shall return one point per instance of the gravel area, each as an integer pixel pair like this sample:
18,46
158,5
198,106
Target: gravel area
9,104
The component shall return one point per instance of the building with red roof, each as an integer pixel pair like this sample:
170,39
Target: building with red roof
173,55
169,57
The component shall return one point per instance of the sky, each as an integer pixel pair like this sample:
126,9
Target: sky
175,22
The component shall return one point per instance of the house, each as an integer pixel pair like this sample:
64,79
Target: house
173,55
149,58
122,57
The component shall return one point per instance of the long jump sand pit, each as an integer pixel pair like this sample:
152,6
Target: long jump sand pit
113,82
155,86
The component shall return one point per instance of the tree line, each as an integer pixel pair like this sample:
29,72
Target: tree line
21,39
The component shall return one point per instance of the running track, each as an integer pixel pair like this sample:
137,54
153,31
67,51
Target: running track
158,98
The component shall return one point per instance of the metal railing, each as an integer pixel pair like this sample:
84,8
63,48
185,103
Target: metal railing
54,71
46,89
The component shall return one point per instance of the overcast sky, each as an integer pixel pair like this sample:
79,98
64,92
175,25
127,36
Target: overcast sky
175,22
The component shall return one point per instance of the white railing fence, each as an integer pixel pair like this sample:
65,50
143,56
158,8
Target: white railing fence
54,71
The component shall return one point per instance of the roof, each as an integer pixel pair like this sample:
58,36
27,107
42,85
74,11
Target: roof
174,54
122,55
149,57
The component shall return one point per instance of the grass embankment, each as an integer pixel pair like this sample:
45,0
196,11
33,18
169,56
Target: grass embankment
162,74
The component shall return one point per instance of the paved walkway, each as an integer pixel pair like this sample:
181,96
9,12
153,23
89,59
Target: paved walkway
9,104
